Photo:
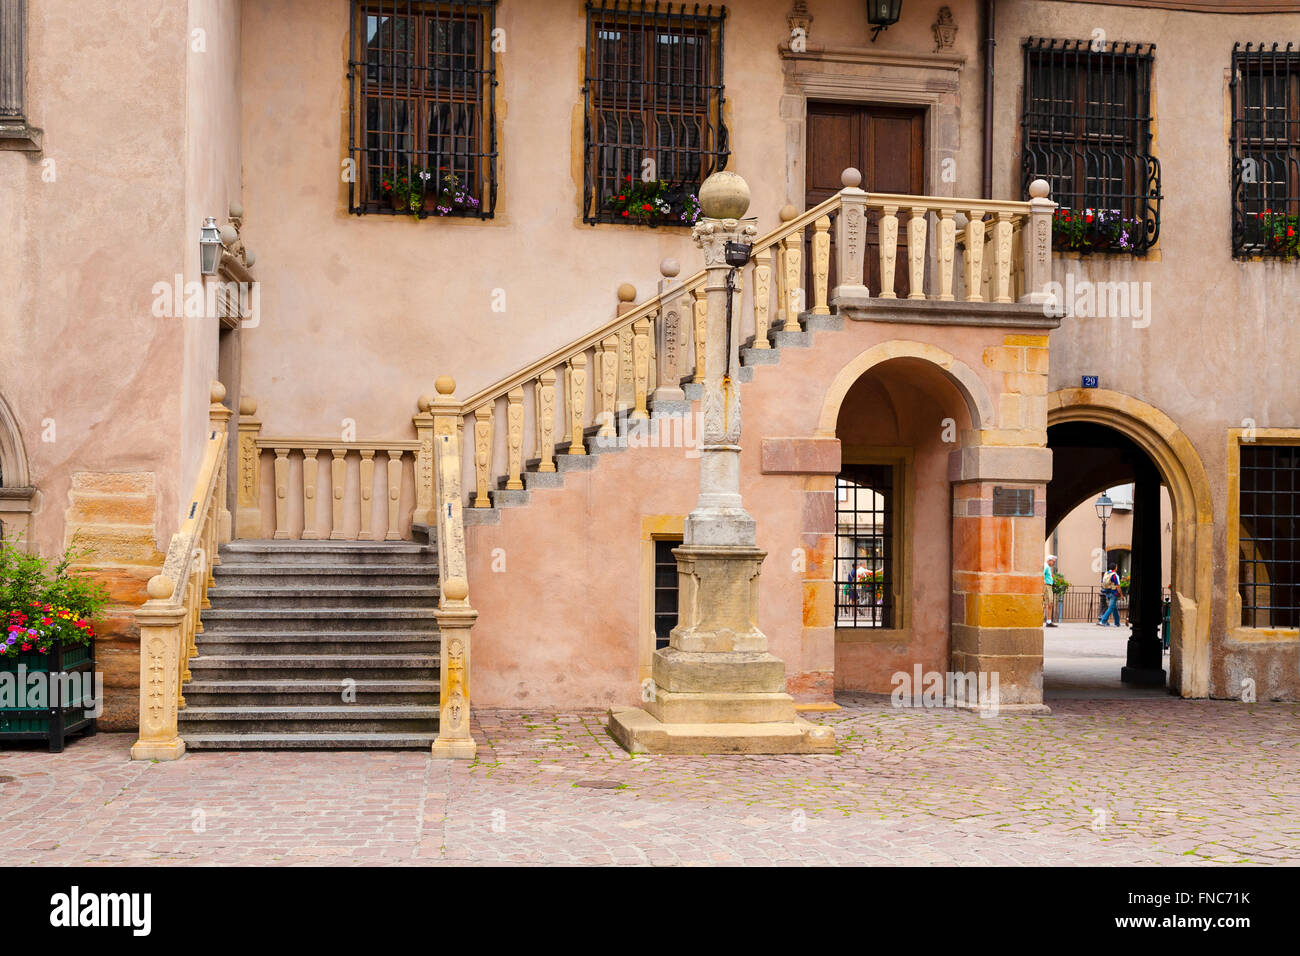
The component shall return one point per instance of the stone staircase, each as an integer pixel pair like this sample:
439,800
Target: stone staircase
317,645
750,357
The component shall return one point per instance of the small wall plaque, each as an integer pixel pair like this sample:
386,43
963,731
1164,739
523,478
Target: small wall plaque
1013,502
1091,381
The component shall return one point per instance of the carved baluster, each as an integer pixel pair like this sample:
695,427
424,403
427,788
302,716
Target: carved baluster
975,256
309,493
577,402
366,473
1036,245
699,323
916,235
1001,290
794,280
196,623
888,251
947,252
762,298
821,251
607,362
281,493
515,438
394,533
787,213
483,416
640,368
1001,276
546,420
338,486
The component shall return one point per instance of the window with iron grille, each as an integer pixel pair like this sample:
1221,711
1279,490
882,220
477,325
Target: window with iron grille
1270,535
423,116
653,99
665,589
1086,129
1265,141
864,546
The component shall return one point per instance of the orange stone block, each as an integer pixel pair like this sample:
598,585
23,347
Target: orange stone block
996,583
1004,610
818,604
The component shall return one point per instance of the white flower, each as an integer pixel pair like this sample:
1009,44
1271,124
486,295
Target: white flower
424,175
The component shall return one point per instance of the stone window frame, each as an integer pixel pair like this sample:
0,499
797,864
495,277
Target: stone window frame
862,76
653,528
903,460
17,495
1237,633
15,130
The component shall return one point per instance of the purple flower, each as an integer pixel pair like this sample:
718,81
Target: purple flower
12,639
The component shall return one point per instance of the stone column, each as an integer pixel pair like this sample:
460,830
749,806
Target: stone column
248,507
716,687
998,526
1145,661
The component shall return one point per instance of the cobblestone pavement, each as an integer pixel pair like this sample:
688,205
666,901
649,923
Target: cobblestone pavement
1099,782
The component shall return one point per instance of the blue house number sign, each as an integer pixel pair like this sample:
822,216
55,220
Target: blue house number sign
1090,381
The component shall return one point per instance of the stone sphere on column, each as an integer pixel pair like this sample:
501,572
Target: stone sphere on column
724,195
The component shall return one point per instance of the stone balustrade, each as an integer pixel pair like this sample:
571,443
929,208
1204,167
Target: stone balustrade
348,480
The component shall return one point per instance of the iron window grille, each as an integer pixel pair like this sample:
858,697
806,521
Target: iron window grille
422,80
1270,535
864,546
666,591
652,100
1265,142
1086,129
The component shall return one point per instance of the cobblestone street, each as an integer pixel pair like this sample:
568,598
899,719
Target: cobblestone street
1119,781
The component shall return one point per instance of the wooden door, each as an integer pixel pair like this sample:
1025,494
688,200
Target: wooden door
887,143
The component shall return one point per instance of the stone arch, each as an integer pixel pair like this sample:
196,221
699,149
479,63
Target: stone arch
1192,561
973,391
16,490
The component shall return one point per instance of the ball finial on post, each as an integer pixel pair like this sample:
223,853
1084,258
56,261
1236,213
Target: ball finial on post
724,195
851,178
1039,189
456,589
627,292
669,268
788,212
445,385
160,587
217,392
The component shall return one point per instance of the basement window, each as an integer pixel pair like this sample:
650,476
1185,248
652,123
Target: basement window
864,547
665,589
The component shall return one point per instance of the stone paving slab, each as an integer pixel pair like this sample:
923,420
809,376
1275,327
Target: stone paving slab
1110,782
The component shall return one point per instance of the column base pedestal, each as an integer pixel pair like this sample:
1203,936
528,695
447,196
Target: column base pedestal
172,749
638,732
1142,676
458,749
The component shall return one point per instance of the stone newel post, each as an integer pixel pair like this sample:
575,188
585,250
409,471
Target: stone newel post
716,689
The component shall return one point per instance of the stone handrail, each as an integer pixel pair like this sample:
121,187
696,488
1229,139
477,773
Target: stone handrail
252,445
170,618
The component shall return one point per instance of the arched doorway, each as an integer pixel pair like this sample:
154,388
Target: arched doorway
1123,435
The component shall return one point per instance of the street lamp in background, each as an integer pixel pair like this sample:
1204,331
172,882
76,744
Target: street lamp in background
1104,507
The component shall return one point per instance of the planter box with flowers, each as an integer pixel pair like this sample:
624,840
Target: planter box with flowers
655,202
1095,230
47,648
416,190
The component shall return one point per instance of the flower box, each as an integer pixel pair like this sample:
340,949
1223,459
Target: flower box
21,720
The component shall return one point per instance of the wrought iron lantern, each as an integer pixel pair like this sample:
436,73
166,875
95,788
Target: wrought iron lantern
882,14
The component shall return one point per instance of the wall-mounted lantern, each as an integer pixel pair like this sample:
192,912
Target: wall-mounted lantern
883,14
209,247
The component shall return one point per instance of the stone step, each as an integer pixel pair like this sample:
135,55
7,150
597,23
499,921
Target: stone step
340,553
359,643
232,596
255,574
340,718
328,618
325,667
309,741
310,693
